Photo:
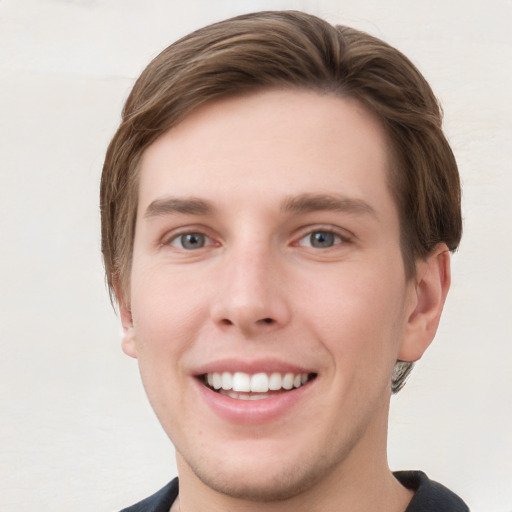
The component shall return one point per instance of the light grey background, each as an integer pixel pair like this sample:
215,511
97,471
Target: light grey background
75,430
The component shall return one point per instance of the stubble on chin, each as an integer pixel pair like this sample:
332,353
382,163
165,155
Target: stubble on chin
276,484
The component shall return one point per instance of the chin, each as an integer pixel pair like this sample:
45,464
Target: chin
271,486
266,479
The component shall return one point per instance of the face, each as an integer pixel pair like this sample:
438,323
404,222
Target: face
268,298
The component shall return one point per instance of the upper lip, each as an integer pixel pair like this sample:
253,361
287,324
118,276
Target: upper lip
251,366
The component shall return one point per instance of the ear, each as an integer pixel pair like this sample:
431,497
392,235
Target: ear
428,294
129,342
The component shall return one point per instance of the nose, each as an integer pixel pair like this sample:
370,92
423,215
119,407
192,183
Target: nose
251,296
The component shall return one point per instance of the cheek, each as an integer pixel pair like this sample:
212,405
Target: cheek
167,309
164,319
359,317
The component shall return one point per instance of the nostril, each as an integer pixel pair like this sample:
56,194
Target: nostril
246,323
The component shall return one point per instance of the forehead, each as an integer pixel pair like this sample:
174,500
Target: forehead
268,144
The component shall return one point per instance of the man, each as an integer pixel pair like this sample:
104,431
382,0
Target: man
278,208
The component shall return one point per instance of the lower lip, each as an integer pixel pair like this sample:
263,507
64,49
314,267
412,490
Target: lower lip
252,411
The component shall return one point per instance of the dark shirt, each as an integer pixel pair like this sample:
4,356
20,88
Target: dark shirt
161,501
429,496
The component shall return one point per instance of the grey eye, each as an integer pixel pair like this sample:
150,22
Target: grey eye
190,241
322,239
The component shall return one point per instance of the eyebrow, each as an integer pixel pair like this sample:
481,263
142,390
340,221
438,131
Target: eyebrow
306,203
170,205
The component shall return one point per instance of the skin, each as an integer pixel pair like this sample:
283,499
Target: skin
260,291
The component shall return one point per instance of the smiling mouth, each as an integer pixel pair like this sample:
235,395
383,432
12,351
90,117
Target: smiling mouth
257,386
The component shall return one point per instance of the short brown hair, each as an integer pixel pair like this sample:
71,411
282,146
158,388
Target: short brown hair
288,49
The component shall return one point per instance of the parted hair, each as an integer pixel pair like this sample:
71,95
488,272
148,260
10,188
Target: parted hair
294,50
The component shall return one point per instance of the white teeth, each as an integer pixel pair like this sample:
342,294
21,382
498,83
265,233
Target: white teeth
275,382
288,381
227,380
247,396
259,383
240,382
217,380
